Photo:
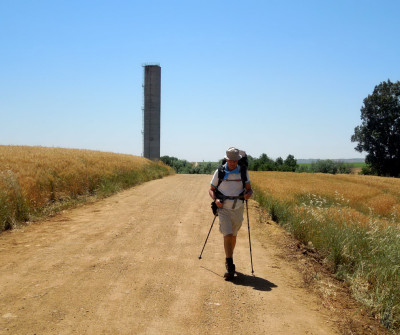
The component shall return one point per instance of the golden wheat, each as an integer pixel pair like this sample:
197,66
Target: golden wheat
40,175
378,195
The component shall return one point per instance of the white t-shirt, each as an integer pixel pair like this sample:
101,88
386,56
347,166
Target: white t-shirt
231,186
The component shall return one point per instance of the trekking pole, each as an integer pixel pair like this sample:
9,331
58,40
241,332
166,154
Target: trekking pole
207,236
248,226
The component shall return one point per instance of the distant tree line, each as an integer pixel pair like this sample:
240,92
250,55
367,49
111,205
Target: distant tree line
378,135
183,166
263,163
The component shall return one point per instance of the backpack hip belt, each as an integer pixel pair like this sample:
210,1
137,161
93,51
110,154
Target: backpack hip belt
222,197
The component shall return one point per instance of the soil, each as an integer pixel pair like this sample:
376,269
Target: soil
129,264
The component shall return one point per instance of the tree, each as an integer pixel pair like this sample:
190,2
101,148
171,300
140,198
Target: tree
265,163
279,164
290,163
379,132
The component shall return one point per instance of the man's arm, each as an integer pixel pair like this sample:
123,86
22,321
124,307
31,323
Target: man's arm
211,192
249,192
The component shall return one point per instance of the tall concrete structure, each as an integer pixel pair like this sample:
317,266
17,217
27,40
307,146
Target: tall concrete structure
151,111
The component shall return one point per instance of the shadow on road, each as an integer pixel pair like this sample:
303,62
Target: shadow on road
258,283
212,271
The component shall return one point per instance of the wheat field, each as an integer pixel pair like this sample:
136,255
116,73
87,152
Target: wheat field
353,221
33,178
369,195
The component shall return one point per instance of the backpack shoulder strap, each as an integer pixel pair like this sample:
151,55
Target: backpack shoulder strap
221,174
243,175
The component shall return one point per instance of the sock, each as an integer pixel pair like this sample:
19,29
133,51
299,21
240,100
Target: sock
229,261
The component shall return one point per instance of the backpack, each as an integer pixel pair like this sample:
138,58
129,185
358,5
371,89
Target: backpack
243,163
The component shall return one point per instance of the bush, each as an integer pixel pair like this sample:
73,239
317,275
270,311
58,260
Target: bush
326,166
367,170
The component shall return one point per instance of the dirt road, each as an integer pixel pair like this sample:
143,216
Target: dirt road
129,265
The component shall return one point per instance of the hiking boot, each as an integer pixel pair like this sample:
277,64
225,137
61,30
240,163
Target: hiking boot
230,269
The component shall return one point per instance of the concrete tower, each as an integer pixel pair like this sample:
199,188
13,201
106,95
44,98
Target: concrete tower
151,111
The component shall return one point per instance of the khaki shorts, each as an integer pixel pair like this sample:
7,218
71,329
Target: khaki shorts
230,220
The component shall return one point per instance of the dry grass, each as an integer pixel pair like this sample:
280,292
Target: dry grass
354,222
32,178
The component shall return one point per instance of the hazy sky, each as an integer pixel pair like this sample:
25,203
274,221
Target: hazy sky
275,77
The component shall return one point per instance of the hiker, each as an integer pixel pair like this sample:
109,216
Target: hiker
230,186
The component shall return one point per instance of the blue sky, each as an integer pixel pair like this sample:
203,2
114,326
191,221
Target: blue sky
274,77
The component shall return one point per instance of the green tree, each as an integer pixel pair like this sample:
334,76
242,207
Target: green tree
279,164
265,163
251,161
379,132
290,163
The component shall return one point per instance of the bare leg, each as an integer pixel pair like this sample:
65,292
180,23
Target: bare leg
229,245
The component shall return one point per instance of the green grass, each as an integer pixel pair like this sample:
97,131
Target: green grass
357,165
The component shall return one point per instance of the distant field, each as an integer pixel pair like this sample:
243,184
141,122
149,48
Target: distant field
36,179
352,220
352,165
357,165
